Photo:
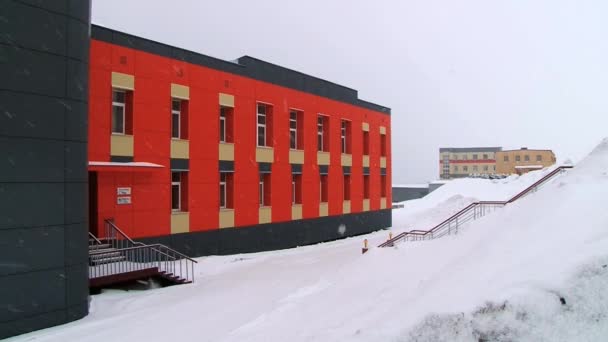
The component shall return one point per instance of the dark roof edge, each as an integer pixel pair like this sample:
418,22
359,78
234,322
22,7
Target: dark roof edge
528,149
470,149
251,67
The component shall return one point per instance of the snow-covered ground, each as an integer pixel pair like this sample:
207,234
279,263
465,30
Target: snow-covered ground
533,271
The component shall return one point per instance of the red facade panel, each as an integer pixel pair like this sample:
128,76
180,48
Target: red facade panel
149,213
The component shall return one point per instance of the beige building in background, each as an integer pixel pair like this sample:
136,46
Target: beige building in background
523,160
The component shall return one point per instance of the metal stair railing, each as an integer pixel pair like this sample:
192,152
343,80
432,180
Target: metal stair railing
136,256
471,212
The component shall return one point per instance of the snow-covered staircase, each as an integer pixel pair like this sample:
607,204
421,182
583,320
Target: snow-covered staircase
116,258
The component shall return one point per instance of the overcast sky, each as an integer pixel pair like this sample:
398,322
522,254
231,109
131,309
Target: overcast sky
456,73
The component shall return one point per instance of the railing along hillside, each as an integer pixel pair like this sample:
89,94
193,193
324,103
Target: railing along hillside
472,212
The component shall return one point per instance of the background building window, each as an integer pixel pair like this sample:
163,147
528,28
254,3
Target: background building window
474,167
264,125
485,167
346,185
324,191
226,125
526,158
226,190
485,157
506,158
517,158
474,157
322,133
539,157
456,168
122,111
465,168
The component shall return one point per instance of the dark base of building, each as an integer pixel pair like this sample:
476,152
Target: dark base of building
274,236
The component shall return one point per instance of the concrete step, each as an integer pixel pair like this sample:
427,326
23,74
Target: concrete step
97,247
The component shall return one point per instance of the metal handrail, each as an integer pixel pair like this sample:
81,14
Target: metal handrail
461,218
121,258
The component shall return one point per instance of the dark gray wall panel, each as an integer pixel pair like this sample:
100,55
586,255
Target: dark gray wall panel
31,204
43,169
29,160
26,250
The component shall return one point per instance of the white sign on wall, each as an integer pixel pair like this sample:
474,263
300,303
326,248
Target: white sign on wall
123,191
123,200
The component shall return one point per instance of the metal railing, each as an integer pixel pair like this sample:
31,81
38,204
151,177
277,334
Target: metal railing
124,255
470,213
157,257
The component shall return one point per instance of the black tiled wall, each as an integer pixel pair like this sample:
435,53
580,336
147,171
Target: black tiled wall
44,51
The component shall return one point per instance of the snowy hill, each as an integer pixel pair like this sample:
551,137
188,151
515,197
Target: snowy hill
535,270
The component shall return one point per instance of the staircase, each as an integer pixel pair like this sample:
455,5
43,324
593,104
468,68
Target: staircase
116,258
470,213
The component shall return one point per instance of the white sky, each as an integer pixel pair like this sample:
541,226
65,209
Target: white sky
461,73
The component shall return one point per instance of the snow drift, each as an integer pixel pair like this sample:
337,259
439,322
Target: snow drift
533,271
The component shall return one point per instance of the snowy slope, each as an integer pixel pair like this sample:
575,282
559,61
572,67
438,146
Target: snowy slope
522,259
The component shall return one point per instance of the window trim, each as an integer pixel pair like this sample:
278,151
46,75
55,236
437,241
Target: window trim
320,133
222,124
178,113
259,125
343,125
293,130
179,192
123,105
261,190
223,183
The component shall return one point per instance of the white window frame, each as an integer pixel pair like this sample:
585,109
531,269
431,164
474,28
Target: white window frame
320,132
293,189
264,125
177,112
223,183
261,189
179,192
293,130
223,124
343,135
121,105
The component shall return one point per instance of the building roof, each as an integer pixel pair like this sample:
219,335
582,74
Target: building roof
245,66
469,149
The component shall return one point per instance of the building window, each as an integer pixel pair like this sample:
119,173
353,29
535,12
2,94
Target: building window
122,111
366,143
474,157
264,125
265,193
455,168
383,145
346,187
475,168
485,157
539,157
506,158
175,118
324,191
465,168
345,136
485,167
366,186
179,200
517,158
226,190
322,133
295,130
455,157
383,186
226,124
526,158
465,157
296,189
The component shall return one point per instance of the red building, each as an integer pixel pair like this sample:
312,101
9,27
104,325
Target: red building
216,157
